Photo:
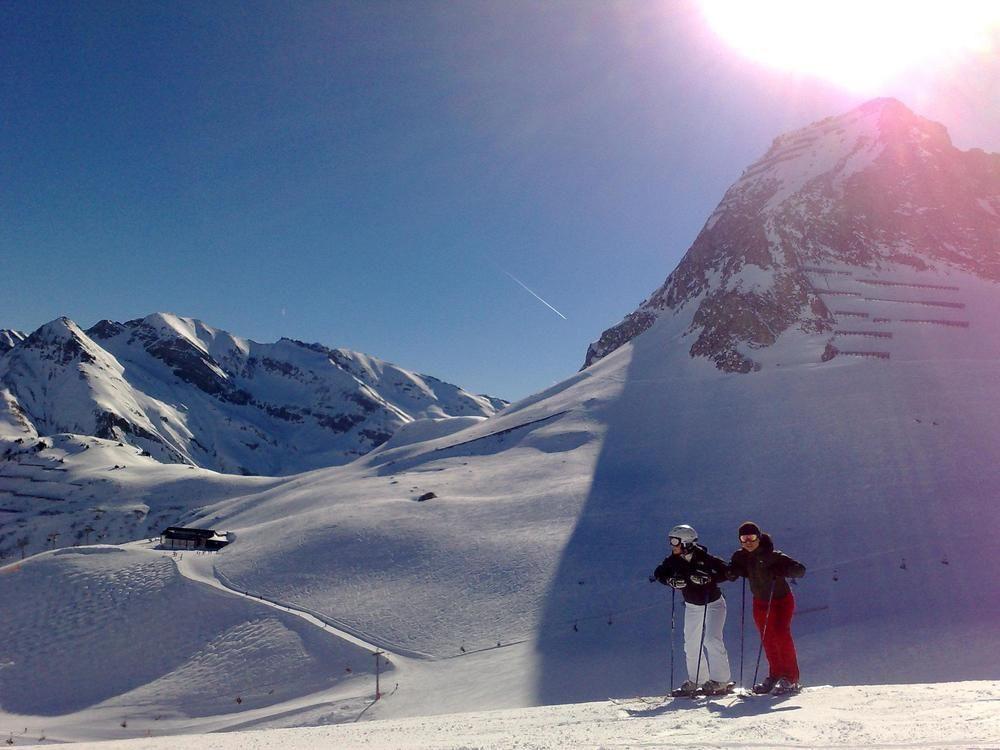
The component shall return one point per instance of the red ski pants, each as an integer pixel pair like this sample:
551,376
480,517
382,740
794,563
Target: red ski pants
776,631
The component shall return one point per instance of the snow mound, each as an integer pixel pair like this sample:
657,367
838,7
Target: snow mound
153,637
421,430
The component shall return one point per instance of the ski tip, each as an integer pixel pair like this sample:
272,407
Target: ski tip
776,693
638,700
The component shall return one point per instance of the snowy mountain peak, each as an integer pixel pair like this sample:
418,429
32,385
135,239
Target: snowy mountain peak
167,326
60,380
60,340
60,329
839,147
182,344
211,341
884,120
878,190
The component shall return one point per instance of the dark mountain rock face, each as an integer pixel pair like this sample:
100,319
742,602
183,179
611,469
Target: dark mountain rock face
9,339
876,186
57,344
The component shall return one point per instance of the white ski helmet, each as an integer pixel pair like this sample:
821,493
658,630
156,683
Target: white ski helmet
686,534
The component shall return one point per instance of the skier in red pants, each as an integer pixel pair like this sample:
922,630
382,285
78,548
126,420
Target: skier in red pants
773,603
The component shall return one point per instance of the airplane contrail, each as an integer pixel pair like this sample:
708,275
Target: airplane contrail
525,286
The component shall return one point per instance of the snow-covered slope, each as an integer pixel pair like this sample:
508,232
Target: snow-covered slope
507,561
122,633
189,393
68,490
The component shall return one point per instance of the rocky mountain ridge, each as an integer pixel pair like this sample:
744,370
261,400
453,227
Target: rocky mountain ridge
185,392
9,339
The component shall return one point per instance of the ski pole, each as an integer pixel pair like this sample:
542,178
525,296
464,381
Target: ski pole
743,619
701,646
673,599
763,632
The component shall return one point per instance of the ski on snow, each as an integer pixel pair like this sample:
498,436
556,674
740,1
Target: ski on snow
659,701
776,693
726,689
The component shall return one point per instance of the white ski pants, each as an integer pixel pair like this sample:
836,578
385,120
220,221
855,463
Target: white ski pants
715,661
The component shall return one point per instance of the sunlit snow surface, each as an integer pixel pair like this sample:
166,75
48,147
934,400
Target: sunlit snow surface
947,715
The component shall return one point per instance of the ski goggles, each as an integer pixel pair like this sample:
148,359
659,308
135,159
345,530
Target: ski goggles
675,541
749,537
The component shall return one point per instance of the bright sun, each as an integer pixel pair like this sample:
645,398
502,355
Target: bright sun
857,44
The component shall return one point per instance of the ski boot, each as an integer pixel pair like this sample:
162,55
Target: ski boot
784,686
765,687
714,687
688,689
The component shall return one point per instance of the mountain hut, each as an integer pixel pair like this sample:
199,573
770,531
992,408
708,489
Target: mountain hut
176,537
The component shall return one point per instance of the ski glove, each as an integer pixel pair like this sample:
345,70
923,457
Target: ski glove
700,579
677,582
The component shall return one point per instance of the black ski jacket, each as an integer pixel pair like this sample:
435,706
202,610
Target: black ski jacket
765,567
676,566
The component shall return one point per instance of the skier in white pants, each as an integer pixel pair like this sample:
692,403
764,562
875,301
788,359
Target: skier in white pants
697,574
715,660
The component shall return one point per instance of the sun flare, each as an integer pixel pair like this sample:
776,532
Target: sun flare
856,44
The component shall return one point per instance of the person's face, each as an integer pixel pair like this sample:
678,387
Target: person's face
750,542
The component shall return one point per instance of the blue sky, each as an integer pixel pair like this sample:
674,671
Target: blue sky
372,174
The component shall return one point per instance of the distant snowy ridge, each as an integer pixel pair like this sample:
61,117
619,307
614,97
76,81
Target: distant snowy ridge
876,188
188,393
